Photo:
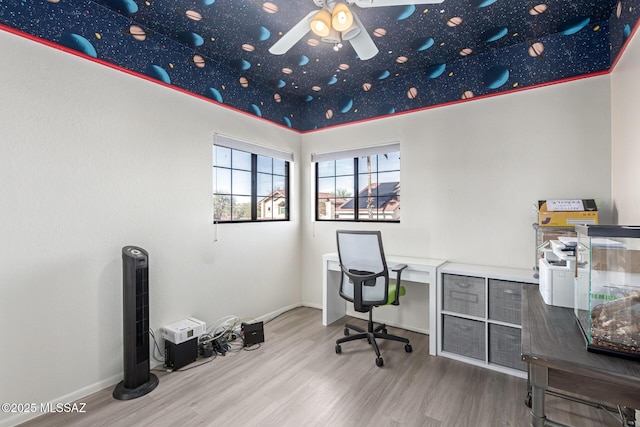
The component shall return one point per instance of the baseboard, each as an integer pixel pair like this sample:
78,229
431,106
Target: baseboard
69,398
276,313
312,305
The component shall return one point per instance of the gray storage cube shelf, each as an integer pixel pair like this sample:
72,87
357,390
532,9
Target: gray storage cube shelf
479,315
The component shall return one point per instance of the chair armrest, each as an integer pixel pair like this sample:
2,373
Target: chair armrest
398,270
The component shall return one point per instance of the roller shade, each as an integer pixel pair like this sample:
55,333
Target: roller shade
356,152
261,150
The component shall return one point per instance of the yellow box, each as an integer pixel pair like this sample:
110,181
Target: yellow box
567,213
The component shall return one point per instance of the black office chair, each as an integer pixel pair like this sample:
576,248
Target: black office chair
365,282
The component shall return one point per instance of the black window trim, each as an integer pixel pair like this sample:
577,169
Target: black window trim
255,151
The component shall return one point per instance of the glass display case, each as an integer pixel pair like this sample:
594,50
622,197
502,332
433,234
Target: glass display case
607,288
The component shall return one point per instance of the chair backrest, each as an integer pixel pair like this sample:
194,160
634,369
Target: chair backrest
361,254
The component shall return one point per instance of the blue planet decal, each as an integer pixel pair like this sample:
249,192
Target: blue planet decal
240,64
191,39
79,43
345,104
126,6
157,73
286,121
332,80
208,2
386,109
494,34
402,12
380,74
496,76
423,43
435,70
258,32
278,84
301,60
483,3
626,31
309,98
573,26
254,109
213,94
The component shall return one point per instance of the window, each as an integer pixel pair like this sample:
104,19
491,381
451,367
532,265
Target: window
249,185
359,185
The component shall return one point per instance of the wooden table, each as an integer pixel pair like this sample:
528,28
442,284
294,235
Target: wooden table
554,348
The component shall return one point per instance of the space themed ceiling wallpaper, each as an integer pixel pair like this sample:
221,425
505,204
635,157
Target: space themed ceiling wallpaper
260,57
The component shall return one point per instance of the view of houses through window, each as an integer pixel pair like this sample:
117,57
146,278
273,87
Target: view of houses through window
249,187
363,188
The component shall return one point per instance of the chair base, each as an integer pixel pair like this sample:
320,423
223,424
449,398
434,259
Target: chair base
371,334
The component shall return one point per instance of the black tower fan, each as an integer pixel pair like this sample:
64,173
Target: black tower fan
138,380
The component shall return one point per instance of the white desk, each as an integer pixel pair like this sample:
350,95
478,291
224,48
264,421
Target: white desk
419,270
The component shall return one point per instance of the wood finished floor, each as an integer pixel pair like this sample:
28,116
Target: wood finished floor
297,379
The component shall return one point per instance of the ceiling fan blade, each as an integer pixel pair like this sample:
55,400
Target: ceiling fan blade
362,43
381,3
294,35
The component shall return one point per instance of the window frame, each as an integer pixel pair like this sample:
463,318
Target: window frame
356,154
254,152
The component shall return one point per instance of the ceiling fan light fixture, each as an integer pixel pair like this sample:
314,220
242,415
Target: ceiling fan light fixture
321,23
351,32
341,18
332,37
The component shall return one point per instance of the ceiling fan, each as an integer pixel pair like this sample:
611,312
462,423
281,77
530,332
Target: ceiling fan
336,22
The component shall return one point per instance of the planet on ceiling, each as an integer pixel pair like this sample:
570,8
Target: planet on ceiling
573,26
240,64
493,34
332,80
277,83
258,32
422,43
213,94
386,109
157,73
191,39
126,6
286,121
254,109
435,70
496,76
78,43
309,98
345,104
380,74
208,2
402,12
483,3
300,60
626,31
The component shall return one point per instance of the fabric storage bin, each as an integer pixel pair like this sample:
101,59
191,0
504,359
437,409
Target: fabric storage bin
505,301
463,336
464,294
505,347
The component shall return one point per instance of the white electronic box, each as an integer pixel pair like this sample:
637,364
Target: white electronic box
184,330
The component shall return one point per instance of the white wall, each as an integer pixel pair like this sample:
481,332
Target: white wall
94,159
471,173
625,146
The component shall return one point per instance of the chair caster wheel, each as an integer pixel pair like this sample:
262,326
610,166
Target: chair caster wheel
338,349
527,400
384,331
346,332
379,362
408,348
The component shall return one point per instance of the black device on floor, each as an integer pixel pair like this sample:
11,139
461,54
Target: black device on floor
178,355
253,333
